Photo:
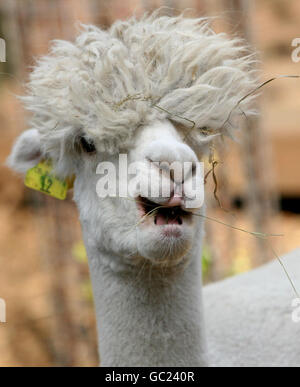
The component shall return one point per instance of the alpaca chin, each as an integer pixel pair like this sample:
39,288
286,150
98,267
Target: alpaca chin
165,245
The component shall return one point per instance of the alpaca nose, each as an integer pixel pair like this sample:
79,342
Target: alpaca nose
169,154
169,151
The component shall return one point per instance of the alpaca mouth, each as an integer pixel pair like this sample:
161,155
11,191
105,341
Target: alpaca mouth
162,215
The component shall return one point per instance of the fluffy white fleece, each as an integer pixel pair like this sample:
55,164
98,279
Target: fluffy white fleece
177,64
249,318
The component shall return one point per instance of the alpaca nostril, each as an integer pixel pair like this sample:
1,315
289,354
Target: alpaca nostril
175,177
194,169
176,171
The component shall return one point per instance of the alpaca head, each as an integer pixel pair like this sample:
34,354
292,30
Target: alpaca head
158,90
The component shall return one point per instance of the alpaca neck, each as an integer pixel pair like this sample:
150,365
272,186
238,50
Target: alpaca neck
148,317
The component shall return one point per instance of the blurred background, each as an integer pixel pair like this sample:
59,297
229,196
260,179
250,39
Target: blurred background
43,268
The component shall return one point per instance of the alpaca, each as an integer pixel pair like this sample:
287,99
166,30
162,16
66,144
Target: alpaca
159,89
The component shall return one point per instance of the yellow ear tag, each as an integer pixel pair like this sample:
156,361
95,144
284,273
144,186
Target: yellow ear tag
41,178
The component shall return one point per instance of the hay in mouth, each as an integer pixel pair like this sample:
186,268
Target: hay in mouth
162,215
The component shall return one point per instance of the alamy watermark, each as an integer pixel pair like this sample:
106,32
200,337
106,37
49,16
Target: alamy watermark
296,51
2,311
152,180
2,50
296,310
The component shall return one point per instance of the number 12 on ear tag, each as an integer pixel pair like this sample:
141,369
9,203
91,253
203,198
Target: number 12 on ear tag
40,178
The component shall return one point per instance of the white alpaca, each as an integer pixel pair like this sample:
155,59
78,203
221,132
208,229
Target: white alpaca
109,93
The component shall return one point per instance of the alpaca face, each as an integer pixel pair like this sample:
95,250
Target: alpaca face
121,224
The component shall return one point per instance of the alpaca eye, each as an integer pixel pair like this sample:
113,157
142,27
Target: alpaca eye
87,145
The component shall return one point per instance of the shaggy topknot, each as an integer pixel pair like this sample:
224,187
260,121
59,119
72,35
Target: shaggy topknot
108,83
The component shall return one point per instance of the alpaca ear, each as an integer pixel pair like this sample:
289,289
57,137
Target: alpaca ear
26,152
